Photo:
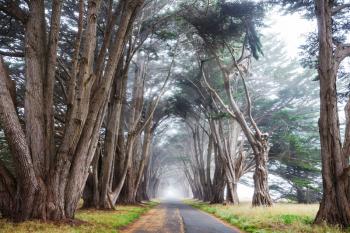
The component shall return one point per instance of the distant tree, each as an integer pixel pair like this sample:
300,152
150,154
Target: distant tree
228,39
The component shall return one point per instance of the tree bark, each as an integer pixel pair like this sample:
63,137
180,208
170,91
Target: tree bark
7,191
261,196
218,186
26,178
91,193
334,207
49,185
257,140
111,138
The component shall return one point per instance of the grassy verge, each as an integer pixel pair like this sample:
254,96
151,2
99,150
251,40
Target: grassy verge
292,218
94,221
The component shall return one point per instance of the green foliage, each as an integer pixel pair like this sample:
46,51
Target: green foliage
301,183
291,218
180,106
226,22
219,115
166,35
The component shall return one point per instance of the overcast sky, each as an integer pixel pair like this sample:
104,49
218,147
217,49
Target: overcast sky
290,28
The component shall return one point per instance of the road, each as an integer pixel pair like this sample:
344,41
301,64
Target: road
172,216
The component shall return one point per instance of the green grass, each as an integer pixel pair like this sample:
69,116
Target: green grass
291,218
94,221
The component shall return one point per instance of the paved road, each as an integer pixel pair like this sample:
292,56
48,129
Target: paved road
176,217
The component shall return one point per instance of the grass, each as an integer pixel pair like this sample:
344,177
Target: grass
94,221
291,218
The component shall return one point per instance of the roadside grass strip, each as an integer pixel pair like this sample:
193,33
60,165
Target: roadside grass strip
280,218
87,221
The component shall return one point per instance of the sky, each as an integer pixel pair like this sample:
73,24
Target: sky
291,28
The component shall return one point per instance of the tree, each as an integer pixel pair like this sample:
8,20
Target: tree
50,173
237,25
332,25
218,134
286,105
335,204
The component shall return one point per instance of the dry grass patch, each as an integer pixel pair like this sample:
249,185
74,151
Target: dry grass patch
91,221
291,218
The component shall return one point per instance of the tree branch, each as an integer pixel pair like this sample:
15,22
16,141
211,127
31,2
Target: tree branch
346,143
11,54
215,94
16,140
341,52
154,103
11,8
336,9
75,59
257,130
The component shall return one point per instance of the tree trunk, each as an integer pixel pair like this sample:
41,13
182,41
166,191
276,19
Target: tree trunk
334,207
145,155
91,193
218,195
15,137
302,196
218,186
141,193
7,192
128,192
112,133
209,188
257,140
235,193
153,188
261,195
49,185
